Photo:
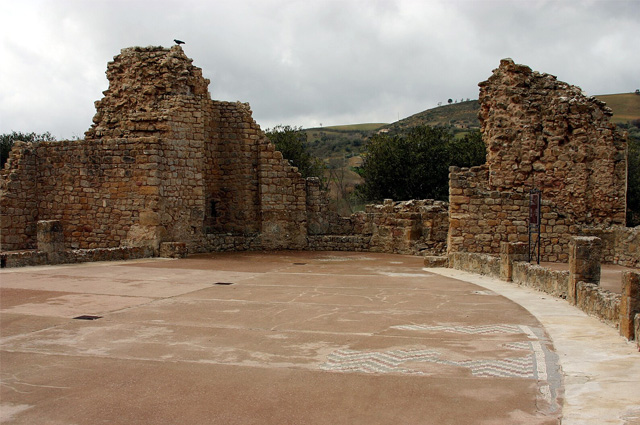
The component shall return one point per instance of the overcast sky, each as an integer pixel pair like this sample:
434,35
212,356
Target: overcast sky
308,62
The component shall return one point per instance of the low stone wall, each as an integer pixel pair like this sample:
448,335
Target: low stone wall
579,286
598,302
620,245
339,243
409,227
40,258
230,242
417,227
475,263
554,282
23,258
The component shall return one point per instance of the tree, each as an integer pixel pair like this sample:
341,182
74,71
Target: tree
416,165
7,140
450,101
291,142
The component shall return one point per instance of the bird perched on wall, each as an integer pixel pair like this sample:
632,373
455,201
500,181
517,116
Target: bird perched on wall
178,42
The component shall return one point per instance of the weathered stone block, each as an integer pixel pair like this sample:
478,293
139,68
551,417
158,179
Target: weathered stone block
584,263
435,261
629,304
510,252
173,250
51,238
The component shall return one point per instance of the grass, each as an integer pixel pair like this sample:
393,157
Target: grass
625,106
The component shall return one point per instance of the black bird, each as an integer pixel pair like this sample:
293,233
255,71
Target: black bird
178,42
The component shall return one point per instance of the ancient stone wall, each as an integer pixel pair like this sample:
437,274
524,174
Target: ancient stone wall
482,218
162,162
416,227
409,227
580,286
231,182
18,199
543,133
620,245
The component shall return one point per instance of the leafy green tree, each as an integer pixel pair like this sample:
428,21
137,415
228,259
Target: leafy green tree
7,140
415,165
291,142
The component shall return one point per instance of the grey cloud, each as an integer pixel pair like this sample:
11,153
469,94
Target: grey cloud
311,61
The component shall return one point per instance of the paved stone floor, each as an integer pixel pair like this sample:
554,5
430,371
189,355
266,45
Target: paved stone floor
277,338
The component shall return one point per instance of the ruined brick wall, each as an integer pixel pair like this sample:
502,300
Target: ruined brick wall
282,200
161,162
18,199
481,218
231,182
541,132
620,245
409,227
416,227
153,91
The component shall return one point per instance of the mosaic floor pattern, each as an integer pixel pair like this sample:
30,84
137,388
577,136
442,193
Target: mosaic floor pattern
534,365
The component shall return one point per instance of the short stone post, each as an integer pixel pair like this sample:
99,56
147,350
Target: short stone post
584,263
510,252
629,304
51,239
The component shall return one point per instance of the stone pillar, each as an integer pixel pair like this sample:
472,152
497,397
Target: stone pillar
629,304
510,252
584,263
51,239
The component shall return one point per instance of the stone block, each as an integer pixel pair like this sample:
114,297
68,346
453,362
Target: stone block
584,263
436,261
50,236
173,250
629,304
510,252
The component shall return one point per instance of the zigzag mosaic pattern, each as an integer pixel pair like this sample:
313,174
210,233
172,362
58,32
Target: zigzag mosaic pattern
471,330
376,361
391,361
531,366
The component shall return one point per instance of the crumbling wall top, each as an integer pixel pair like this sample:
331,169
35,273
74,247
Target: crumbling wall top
145,84
544,133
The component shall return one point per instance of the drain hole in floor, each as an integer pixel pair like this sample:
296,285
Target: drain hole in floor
223,283
88,317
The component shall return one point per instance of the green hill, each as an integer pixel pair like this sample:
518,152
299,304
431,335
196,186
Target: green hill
340,146
346,141
625,106
460,116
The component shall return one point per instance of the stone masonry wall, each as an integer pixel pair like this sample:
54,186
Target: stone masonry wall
620,245
416,227
162,162
541,132
18,199
482,218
